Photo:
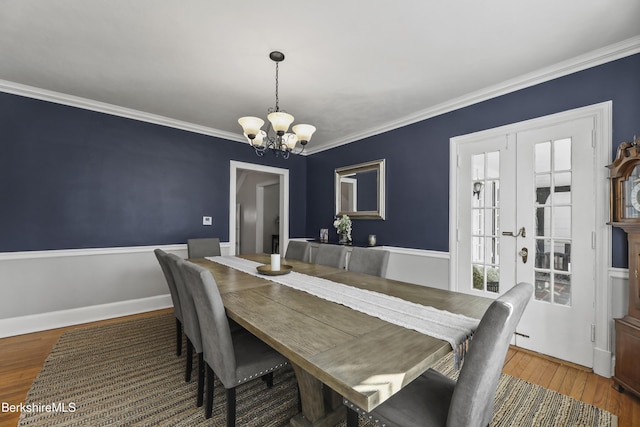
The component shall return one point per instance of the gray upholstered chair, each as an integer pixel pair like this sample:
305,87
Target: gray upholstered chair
436,400
190,324
369,261
298,250
175,298
235,358
331,255
200,248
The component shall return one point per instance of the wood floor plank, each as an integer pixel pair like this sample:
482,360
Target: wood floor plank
558,378
567,382
595,390
22,358
547,375
512,365
613,402
577,389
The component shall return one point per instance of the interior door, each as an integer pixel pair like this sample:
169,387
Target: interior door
556,202
526,212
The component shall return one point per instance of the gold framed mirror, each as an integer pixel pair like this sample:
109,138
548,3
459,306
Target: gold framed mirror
360,190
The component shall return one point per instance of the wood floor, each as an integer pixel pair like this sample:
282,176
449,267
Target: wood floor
21,358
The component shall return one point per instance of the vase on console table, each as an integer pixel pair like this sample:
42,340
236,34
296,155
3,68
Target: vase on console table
343,227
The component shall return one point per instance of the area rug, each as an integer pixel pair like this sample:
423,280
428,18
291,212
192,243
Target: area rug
127,374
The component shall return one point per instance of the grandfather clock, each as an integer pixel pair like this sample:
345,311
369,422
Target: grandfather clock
624,175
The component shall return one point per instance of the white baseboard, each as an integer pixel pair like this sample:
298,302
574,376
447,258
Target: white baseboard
602,362
75,316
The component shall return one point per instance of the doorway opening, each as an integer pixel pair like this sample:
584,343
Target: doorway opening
258,208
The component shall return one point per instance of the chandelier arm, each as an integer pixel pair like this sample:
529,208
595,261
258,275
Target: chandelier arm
259,151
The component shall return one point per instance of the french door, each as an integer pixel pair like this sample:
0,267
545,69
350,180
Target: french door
526,212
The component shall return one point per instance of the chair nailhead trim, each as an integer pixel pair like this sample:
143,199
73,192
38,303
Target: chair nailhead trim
362,412
262,373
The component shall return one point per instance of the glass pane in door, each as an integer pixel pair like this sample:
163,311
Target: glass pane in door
553,219
485,221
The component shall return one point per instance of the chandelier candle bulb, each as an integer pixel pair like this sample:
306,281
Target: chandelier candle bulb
303,132
280,121
275,262
251,126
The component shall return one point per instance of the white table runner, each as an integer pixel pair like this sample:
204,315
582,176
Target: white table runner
455,328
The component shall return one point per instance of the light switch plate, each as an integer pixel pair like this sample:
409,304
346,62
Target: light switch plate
207,220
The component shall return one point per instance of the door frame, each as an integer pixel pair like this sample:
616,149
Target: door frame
283,175
602,140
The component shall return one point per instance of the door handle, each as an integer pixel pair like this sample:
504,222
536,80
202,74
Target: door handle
524,253
522,232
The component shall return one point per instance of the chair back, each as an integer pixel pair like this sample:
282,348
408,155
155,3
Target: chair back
298,250
332,255
168,275
474,394
217,344
200,248
190,322
369,261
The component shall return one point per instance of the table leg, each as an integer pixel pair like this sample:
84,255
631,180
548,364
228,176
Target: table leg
321,406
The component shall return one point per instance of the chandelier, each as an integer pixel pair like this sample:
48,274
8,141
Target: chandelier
276,137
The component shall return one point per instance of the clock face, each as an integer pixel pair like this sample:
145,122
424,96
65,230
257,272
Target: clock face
631,195
635,197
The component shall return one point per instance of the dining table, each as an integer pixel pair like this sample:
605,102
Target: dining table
337,352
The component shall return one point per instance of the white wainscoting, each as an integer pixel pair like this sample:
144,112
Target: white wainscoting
50,289
619,288
418,266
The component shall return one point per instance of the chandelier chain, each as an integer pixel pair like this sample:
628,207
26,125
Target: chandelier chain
277,99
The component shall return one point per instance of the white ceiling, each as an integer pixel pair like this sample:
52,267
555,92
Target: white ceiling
352,68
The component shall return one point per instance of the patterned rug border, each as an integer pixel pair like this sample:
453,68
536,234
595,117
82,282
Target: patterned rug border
93,374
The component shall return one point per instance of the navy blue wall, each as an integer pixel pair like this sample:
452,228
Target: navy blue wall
418,155
71,178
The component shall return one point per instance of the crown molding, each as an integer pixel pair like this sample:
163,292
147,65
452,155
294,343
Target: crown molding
597,57
103,107
600,56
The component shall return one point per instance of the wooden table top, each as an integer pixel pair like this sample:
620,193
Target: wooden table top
362,358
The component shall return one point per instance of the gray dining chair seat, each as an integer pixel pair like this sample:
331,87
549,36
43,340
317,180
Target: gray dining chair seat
298,250
369,261
175,298
436,400
331,255
235,358
204,247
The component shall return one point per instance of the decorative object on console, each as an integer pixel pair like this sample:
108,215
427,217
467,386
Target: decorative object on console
343,226
372,239
280,141
624,176
324,235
